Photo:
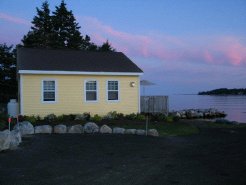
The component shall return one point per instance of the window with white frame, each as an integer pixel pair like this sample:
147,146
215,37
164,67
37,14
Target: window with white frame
49,90
91,90
113,90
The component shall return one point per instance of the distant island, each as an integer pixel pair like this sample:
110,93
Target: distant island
224,91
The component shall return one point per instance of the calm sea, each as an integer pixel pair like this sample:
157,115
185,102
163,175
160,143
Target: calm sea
233,106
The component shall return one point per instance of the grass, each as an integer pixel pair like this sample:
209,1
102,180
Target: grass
176,129
164,128
223,125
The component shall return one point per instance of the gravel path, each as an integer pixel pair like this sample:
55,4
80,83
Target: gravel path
215,156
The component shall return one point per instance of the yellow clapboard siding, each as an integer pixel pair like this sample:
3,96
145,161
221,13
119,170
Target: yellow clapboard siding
71,95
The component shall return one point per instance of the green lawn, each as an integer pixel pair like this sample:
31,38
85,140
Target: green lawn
164,128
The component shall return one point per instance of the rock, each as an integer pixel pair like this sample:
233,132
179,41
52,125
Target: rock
199,114
5,139
140,132
130,131
222,121
43,129
25,128
191,114
60,129
15,139
91,127
153,132
177,114
105,129
235,122
118,130
75,129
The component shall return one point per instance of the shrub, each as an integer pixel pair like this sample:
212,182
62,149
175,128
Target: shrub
176,118
120,116
87,116
60,118
50,118
111,115
140,117
131,116
21,118
158,117
169,119
32,119
3,121
96,118
79,117
3,117
82,117
66,117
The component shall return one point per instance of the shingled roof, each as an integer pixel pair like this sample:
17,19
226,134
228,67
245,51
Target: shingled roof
74,60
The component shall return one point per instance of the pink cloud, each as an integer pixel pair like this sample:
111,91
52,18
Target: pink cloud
212,49
14,19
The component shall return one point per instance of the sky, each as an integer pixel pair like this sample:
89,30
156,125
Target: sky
183,46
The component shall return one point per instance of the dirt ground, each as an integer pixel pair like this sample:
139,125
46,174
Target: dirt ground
215,156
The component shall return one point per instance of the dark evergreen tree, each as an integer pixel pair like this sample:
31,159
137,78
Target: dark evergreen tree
59,30
66,30
8,83
88,45
106,47
41,34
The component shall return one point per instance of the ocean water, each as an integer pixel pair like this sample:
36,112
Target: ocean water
233,106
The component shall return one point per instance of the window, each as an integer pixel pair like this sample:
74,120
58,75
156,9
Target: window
49,91
113,90
91,90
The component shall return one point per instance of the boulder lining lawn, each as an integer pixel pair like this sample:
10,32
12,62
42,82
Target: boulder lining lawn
214,156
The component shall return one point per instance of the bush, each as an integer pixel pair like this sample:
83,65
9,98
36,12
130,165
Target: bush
96,118
32,119
169,119
3,121
111,115
120,116
50,118
3,117
21,118
158,117
140,117
86,116
131,116
65,117
176,118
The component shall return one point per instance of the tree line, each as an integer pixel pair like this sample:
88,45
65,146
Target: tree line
224,91
58,29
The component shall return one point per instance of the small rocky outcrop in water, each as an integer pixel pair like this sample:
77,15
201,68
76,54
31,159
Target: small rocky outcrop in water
198,113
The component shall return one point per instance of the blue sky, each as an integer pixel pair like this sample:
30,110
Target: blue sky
184,46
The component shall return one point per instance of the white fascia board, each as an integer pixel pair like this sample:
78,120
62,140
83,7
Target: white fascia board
78,73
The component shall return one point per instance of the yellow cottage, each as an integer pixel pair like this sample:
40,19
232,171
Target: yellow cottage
73,82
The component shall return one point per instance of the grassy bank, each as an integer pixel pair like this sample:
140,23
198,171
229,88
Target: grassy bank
177,128
166,126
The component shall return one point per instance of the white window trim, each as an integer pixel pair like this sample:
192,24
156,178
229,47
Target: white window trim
42,91
112,101
97,90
